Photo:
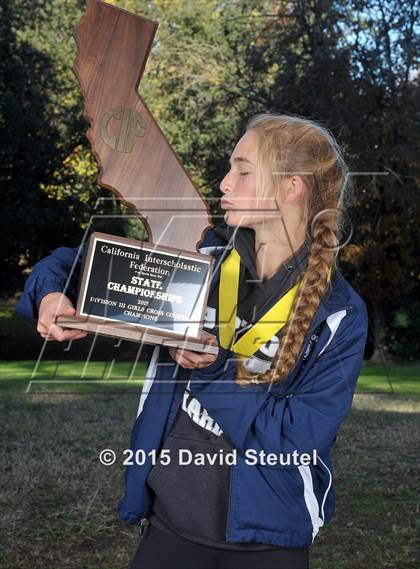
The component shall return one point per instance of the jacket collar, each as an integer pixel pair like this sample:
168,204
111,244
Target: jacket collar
243,239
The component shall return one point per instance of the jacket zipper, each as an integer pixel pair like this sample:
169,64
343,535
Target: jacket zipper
143,524
229,516
144,520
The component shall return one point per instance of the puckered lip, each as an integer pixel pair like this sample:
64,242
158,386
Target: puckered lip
225,204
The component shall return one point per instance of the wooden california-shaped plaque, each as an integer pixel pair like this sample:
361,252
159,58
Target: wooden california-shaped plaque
136,163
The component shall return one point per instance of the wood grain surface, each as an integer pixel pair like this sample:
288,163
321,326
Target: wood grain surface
136,161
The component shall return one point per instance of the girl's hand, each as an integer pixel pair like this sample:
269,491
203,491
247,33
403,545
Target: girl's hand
52,305
194,360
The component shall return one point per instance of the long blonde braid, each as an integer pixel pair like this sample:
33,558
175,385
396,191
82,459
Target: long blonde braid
286,145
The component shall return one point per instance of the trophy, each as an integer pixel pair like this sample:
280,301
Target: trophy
156,291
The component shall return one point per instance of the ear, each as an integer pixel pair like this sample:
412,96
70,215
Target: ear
294,189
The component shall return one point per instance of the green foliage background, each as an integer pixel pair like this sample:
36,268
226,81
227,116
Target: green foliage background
349,64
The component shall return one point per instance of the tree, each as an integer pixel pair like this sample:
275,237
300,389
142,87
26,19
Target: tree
351,66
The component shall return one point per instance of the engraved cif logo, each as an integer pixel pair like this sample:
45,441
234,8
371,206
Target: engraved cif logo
119,128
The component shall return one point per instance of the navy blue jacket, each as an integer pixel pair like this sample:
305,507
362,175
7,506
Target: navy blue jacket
274,504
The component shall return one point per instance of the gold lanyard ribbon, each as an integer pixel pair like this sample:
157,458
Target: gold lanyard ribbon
268,325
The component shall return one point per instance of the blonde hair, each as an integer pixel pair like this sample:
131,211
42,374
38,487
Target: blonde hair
288,145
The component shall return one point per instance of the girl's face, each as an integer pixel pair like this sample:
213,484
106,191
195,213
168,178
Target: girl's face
239,186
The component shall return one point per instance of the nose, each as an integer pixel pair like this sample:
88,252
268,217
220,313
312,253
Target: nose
224,186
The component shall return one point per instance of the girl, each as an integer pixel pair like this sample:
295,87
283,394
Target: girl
243,439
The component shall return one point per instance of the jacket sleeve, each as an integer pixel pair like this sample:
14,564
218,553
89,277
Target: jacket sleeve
59,272
304,420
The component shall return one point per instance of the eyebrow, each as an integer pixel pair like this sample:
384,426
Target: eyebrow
240,159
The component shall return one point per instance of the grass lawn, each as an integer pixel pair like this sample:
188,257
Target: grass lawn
98,375
58,502
398,379
75,376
